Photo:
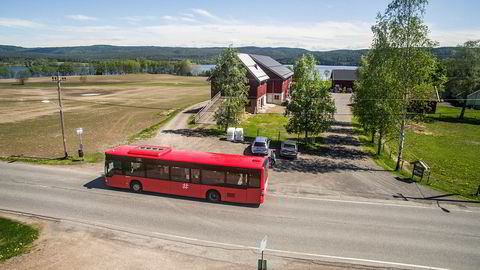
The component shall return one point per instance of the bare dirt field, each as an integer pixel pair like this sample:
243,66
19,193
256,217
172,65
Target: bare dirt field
108,108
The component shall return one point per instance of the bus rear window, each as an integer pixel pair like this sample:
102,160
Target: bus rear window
254,180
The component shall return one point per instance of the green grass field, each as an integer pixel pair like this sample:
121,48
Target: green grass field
15,238
451,148
272,125
267,125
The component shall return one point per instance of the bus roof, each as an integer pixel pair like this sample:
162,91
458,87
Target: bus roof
167,153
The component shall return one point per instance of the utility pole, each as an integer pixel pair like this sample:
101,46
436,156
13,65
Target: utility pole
58,80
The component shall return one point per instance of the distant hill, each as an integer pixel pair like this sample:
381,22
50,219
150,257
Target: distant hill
198,55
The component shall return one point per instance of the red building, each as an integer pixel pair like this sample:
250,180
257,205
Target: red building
343,79
268,80
257,80
280,78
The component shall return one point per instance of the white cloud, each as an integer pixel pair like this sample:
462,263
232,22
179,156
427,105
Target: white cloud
324,35
11,22
190,15
454,38
200,28
79,17
91,29
179,19
204,13
138,18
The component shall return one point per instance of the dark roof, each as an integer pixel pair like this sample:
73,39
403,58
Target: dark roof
344,75
272,65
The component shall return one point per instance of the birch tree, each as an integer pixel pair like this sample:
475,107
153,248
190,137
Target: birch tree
230,77
413,65
311,108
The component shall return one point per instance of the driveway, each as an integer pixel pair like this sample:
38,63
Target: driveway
339,168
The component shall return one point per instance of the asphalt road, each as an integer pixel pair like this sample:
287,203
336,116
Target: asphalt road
394,233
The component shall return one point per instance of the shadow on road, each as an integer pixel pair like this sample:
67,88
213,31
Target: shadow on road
405,180
438,198
346,131
99,183
336,152
317,166
345,124
192,111
341,140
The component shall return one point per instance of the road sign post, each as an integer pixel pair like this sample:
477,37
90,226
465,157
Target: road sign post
79,132
262,264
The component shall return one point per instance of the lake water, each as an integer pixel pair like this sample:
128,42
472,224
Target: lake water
197,69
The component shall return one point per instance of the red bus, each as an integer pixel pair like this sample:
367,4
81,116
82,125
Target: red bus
214,176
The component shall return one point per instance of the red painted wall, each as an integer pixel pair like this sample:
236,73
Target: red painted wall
262,89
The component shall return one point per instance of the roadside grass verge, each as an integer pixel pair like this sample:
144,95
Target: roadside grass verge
15,238
150,131
448,145
87,158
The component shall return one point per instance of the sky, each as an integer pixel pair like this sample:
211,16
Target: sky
310,24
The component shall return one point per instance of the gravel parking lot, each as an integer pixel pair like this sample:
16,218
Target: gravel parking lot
338,168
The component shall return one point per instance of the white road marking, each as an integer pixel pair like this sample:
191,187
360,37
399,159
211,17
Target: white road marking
338,258
360,202
191,239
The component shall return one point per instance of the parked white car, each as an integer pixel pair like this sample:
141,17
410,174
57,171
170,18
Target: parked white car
260,146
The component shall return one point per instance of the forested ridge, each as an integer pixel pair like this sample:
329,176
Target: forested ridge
197,55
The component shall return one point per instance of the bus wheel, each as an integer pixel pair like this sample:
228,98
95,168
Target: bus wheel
213,196
136,186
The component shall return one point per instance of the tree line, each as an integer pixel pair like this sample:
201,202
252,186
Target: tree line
45,67
197,55
400,70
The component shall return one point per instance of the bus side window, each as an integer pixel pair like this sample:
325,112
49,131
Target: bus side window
114,167
195,176
134,169
213,177
180,174
236,179
157,171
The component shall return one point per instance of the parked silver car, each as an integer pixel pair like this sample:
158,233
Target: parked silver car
289,149
260,146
